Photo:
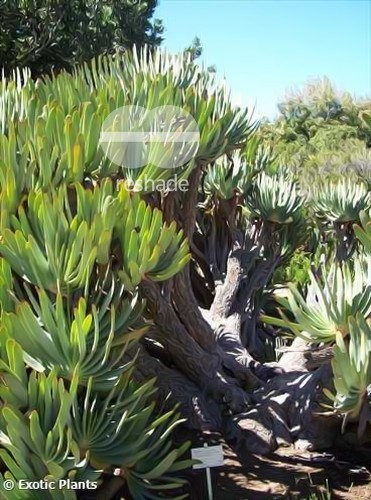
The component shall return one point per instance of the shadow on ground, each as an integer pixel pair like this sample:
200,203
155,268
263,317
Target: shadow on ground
286,474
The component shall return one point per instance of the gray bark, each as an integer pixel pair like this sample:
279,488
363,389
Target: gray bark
201,362
287,410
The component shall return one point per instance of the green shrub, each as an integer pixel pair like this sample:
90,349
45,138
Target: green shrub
50,35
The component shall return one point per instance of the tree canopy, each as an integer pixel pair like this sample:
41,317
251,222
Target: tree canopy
47,35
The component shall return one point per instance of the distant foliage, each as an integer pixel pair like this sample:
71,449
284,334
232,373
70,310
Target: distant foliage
47,35
194,49
320,130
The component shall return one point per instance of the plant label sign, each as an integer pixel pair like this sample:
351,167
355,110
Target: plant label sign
210,456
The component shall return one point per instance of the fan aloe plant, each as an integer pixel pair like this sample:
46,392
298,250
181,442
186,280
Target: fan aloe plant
337,206
102,275
89,252
323,314
337,311
363,230
341,201
275,198
68,318
52,431
233,175
352,374
76,243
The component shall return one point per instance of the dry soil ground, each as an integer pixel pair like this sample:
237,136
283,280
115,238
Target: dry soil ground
286,474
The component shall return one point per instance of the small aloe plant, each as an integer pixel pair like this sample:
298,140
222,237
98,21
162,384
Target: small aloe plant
324,312
275,198
351,367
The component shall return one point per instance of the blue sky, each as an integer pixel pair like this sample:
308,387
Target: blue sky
266,47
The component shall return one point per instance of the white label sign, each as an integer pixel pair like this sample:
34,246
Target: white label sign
210,456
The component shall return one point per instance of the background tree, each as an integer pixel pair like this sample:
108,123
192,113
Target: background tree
195,49
50,35
321,130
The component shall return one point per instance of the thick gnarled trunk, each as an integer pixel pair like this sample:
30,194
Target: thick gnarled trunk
218,385
202,358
